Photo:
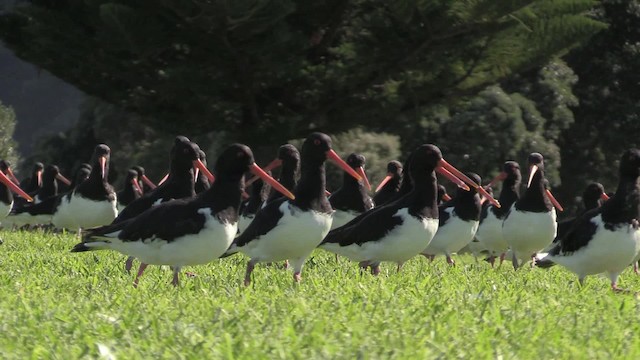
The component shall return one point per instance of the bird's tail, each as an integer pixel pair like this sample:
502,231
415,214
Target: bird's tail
543,261
95,239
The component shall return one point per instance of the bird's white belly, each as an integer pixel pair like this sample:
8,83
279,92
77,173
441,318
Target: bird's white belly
608,251
529,232
192,249
297,234
342,217
452,237
489,234
244,222
399,245
79,212
5,209
25,218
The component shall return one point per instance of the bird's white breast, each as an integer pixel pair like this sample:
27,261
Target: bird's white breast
529,232
452,237
79,212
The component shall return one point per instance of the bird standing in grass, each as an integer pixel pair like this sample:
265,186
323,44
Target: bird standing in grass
604,239
184,232
531,225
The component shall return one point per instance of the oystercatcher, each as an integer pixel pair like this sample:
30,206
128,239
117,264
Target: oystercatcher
131,190
604,239
292,229
531,225
352,198
489,232
202,182
458,223
403,228
390,185
145,183
185,231
92,203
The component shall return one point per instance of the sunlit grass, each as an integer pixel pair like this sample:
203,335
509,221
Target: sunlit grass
56,304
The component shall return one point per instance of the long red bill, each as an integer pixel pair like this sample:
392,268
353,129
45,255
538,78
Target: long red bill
498,178
163,179
15,188
148,181
384,182
446,197
255,169
360,171
532,172
63,179
341,163
103,166
604,197
12,176
454,179
554,201
327,192
444,164
200,165
39,175
136,186
272,165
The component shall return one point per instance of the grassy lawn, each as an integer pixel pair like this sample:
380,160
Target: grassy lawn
55,304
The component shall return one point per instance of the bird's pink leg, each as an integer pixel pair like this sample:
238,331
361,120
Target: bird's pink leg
399,266
635,268
247,276
450,261
140,272
129,264
491,260
375,269
176,280
502,256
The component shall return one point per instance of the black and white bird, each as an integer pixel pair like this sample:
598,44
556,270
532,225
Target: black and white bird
593,197
401,229
31,184
390,185
180,183
189,231
259,195
443,196
489,232
531,224
292,229
50,177
81,174
131,190
352,198
92,203
143,180
458,223
604,239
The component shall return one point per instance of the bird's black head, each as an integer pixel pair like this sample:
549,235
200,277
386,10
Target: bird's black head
425,158
288,152
51,171
356,160
38,167
202,156
593,191
234,161
442,191
132,175
630,163
512,170
184,150
536,159
101,150
138,169
394,167
4,166
316,146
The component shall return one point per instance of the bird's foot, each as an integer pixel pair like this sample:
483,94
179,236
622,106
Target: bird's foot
129,264
635,268
297,277
450,261
375,269
190,274
286,265
502,256
491,260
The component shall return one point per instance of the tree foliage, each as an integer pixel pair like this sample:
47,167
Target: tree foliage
7,127
278,69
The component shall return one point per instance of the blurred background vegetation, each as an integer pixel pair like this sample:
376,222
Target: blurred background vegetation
485,80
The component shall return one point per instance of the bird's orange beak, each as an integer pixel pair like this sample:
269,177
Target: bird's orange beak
148,181
554,201
455,173
341,163
202,167
15,188
256,170
63,179
384,181
360,171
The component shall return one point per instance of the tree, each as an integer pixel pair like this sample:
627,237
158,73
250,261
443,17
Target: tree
271,70
607,117
7,127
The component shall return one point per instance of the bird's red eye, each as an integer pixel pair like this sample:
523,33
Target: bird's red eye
316,142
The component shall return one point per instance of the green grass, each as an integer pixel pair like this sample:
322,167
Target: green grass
55,304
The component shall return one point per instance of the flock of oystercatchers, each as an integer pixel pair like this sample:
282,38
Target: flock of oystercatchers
194,217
